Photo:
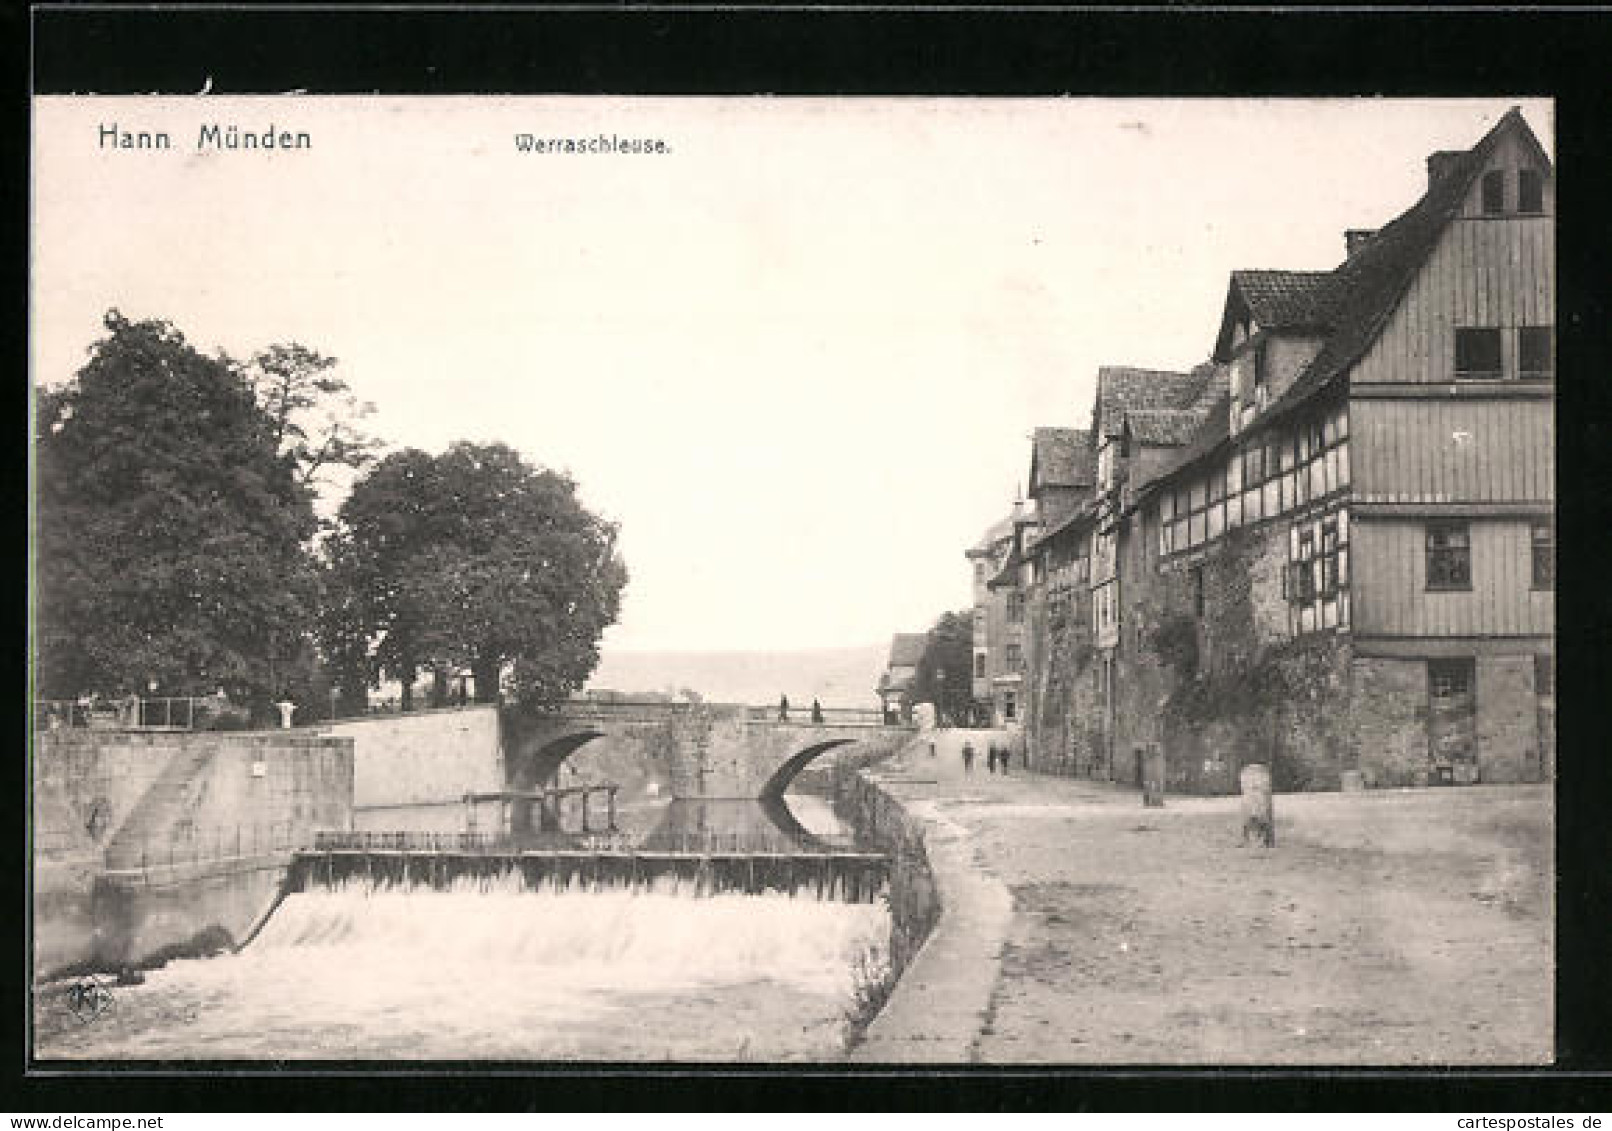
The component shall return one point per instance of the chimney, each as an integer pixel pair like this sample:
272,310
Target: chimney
1440,163
1354,239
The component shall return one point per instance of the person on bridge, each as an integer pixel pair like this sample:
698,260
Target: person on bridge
817,711
783,708
968,757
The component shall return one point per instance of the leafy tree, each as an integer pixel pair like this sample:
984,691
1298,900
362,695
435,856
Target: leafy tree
314,413
949,650
475,558
170,530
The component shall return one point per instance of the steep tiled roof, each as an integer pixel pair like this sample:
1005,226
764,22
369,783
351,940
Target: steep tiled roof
1213,432
1086,512
1355,300
907,648
1062,457
1163,427
1123,388
1286,299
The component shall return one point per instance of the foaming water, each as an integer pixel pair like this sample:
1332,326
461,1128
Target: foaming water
487,970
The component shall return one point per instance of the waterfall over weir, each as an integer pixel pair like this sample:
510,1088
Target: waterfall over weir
485,967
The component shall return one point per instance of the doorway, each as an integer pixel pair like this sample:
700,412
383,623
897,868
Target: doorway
1452,722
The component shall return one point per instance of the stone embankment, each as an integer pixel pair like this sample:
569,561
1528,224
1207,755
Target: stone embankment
949,918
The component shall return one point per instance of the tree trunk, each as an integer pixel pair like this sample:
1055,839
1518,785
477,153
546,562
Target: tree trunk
406,677
485,673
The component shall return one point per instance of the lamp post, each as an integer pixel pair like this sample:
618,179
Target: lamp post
940,696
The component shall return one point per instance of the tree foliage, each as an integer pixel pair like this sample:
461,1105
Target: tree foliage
475,558
170,526
949,652
315,416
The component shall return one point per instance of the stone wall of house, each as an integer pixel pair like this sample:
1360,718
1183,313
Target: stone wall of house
1237,689
1390,729
1059,721
1507,719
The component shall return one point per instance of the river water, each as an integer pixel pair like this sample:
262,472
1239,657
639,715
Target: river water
491,971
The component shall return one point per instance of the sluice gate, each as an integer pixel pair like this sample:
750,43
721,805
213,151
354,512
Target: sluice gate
853,877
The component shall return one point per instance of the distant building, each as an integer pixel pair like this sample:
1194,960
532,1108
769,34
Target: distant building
896,684
998,632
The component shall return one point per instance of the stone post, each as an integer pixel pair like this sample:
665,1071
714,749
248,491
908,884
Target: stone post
286,707
1153,775
1259,816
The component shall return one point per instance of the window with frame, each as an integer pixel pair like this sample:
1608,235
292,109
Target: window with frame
1494,192
1302,589
979,665
1530,191
1449,556
1536,353
1477,354
1015,607
1197,591
1544,675
1542,535
1014,656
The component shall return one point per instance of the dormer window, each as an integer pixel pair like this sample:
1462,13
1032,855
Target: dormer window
1494,193
1261,366
1530,192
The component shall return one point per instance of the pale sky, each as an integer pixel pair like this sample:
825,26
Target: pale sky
798,358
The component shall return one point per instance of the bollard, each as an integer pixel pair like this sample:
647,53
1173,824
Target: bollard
1153,776
1259,818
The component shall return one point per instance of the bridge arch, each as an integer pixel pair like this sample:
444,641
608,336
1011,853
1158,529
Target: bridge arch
794,764
541,765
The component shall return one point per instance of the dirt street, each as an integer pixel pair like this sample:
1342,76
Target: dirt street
1393,927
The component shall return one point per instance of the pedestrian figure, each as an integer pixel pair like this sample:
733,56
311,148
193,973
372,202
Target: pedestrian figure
991,755
1002,759
783,708
817,711
968,757
931,748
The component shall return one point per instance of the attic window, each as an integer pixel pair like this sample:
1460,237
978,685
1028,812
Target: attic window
1530,192
1494,193
1534,360
1477,355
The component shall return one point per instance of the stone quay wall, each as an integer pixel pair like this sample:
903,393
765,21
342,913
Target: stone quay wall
145,841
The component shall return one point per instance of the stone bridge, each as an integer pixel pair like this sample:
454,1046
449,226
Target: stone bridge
704,750
419,771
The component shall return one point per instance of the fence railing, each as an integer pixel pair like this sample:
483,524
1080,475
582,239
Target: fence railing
213,843
174,712
824,716
465,843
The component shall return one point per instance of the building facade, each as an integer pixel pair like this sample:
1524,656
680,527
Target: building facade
1331,547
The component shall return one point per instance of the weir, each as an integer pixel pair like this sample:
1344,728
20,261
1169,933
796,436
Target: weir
853,877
